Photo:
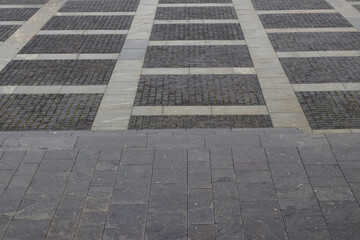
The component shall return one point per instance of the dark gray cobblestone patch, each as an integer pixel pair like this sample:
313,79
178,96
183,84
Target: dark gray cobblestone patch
100,6
105,43
331,110
17,14
290,5
322,41
322,70
197,56
306,20
7,30
357,7
88,22
229,31
199,121
194,1
198,90
22,2
48,111
57,72
184,13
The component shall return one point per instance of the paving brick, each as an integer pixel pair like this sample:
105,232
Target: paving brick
282,154
288,172
105,43
341,212
184,13
31,229
229,231
331,110
227,211
321,41
100,6
174,158
88,23
241,140
197,56
198,90
334,194
22,2
290,5
194,1
7,30
200,206
304,20
201,231
217,31
255,191
344,230
17,14
267,228
57,72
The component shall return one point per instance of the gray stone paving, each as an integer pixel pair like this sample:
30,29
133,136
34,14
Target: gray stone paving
57,72
177,184
100,6
290,5
184,13
17,14
7,30
22,2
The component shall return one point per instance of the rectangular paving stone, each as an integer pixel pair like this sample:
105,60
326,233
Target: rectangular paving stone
100,6
48,111
197,56
304,20
322,69
17,14
7,30
322,41
331,110
198,90
88,23
199,121
217,31
22,2
194,1
105,43
187,13
57,72
290,5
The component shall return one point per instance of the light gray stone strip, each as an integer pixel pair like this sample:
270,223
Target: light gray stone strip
52,89
199,110
12,22
318,54
22,6
81,32
346,9
70,56
326,87
297,11
116,106
95,14
196,5
171,71
197,42
196,21
14,44
282,104
283,30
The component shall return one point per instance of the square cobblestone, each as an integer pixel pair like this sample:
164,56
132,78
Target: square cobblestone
197,56
230,31
331,110
184,13
7,30
199,121
321,41
105,43
88,23
100,6
290,5
198,90
22,2
322,70
306,20
57,72
48,111
17,14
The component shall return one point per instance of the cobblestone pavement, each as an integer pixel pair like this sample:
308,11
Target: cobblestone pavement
176,184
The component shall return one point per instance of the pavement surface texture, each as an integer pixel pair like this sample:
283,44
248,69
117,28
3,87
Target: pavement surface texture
180,119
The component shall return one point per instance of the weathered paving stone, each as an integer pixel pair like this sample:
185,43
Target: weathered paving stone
197,56
218,31
304,20
105,43
199,121
88,23
7,30
331,110
48,111
290,5
57,72
265,228
198,90
322,41
17,14
194,1
22,2
322,70
100,6
184,13
201,231
30,229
